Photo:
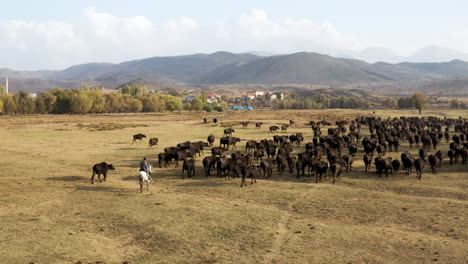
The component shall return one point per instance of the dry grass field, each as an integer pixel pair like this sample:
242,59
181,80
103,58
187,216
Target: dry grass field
50,212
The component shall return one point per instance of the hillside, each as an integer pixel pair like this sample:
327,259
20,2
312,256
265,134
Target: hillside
230,68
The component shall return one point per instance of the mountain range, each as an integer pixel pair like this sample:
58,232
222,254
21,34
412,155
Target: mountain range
230,68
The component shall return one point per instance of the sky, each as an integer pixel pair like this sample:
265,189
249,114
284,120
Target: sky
55,34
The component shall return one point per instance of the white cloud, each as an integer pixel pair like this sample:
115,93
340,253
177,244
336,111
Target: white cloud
106,37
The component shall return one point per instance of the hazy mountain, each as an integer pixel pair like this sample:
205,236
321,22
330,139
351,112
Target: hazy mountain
230,68
436,54
378,54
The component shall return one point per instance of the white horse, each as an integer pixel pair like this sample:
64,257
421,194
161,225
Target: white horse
144,177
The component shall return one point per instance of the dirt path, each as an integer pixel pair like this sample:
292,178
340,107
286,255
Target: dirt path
282,231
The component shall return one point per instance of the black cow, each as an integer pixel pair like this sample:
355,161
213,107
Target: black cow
267,167
419,166
189,166
258,125
228,132
229,141
434,161
208,164
250,171
321,170
395,166
217,151
244,124
367,158
138,137
101,168
273,129
348,162
336,169
161,158
250,145
210,139
152,142
215,120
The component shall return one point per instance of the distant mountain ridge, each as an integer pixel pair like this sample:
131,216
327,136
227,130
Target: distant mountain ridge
230,68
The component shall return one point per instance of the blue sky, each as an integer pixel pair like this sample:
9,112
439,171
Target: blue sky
55,34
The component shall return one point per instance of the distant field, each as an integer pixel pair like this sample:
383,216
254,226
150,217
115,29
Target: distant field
50,212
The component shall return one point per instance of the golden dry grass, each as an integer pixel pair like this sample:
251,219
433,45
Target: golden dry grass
50,213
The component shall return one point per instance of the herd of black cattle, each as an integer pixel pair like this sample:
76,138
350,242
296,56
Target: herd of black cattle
325,152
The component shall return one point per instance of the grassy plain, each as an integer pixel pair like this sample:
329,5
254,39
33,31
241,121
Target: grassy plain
50,213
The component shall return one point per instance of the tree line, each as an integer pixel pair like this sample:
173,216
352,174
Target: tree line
135,99
83,101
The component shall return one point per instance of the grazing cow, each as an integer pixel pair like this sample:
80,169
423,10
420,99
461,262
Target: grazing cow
284,128
138,137
258,125
244,124
208,164
210,139
273,129
101,168
205,120
395,166
228,132
291,123
145,177
153,142
189,166
250,171
419,166
434,162
217,151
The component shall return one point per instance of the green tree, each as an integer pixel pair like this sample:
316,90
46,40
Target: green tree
81,103
1,106
136,105
454,104
45,103
197,105
24,103
420,101
134,90
98,101
62,104
9,105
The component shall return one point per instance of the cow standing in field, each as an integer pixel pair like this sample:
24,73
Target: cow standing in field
419,166
152,142
250,171
210,140
258,125
228,132
189,166
273,129
138,137
101,168
215,121
205,121
284,128
244,124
